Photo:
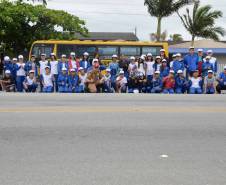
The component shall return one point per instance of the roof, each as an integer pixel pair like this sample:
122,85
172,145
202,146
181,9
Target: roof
127,36
217,47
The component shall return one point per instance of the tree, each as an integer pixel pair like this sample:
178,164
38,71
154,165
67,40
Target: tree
202,22
163,8
23,23
176,37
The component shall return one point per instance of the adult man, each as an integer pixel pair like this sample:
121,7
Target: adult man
191,61
221,81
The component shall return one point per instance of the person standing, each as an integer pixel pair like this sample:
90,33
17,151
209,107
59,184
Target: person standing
149,69
63,81
20,74
200,61
206,66
42,68
114,66
213,61
85,63
31,65
54,69
191,62
63,64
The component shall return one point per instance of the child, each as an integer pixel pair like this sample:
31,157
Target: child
149,69
209,83
195,83
107,81
31,65
30,83
169,83
47,81
63,64
82,79
164,70
7,83
180,82
206,66
121,83
54,69
158,63
63,81
178,64
157,83
85,62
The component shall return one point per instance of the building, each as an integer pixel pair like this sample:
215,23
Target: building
109,36
219,49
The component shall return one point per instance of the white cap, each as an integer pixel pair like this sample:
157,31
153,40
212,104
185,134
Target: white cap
95,60
63,56
43,54
7,72
174,56
20,57
52,54
157,72
210,71
114,56
178,55
86,54
142,57
132,58
172,71
64,69
149,55
200,50
14,59
158,57
179,72
108,70
72,53
47,67
191,47
164,60
32,71
208,57
72,70
210,51
121,72
6,58
81,68
162,50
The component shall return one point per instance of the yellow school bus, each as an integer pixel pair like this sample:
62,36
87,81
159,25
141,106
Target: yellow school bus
103,49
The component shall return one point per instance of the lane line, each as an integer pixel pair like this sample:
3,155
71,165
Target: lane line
114,110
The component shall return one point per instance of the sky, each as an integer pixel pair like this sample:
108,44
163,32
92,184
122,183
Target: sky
125,16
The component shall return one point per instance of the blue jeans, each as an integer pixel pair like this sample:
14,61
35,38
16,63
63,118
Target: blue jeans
48,89
210,90
156,90
179,90
168,91
32,88
62,89
19,83
195,90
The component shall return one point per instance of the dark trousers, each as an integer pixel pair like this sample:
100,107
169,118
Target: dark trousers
220,87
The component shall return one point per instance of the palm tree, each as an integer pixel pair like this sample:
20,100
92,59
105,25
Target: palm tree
164,8
202,22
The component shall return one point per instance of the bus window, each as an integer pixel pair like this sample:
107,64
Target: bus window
82,49
154,50
106,52
38,49
130,51
65,49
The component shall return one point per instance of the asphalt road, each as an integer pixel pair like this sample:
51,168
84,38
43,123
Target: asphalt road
89,139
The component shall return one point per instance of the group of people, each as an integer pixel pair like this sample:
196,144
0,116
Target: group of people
193,74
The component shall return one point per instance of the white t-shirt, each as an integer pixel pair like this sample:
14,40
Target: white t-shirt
43,64
29,80
195,82
82,79
122,81
48,80
150,69
73,63
54,67
141,68
21,71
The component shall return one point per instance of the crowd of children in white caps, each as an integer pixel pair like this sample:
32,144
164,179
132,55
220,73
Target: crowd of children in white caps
195,73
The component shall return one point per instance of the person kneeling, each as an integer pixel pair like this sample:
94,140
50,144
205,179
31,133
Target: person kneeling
47,81
209,83
121,83
63,81
7,83
195,83
169,83
74,81
30,84
156,83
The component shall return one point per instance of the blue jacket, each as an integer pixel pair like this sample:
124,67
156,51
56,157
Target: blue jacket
191,62
178,65
180,82
62,80
60,66
28,67
73,81
7,65
82,64
13,70
205,67
222,76
165,72
114,69
157,83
